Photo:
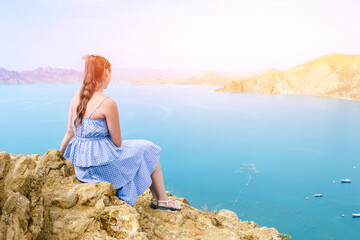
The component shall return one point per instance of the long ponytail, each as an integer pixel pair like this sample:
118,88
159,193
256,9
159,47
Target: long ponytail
95,66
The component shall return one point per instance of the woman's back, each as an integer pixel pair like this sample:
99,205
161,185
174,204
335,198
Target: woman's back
92,144
101,108
92,127
91,105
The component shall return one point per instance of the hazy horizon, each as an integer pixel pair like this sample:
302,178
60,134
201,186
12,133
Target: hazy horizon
219,71
141,68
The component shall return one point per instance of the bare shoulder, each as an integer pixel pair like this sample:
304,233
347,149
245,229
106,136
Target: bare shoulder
109,100
75,99
110,108
76,96
110,103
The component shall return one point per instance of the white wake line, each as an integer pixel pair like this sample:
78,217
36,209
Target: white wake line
242,189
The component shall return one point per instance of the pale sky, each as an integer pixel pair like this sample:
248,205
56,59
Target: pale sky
233,35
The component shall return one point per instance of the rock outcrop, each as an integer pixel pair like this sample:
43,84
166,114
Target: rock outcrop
41,198
336,75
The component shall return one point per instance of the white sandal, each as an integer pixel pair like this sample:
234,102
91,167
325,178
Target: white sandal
176,204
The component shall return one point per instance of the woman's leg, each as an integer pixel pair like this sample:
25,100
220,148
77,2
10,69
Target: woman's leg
159,188
153,194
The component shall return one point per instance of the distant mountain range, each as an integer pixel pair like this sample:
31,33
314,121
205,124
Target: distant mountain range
61,75
40,75
335,75
132,75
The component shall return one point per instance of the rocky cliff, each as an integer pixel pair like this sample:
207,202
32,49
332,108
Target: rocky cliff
335,75
41,198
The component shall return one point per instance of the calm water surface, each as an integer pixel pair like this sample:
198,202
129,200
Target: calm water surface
258,155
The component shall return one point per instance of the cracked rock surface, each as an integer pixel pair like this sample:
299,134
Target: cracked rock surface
41,198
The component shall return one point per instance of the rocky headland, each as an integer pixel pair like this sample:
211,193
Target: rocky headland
41,198
336,75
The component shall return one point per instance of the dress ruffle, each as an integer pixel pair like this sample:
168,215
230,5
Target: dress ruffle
136,156
91,152
132,189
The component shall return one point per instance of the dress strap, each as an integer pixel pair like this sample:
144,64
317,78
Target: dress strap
97,106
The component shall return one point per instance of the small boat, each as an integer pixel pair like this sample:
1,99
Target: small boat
318,195
356,215
345,180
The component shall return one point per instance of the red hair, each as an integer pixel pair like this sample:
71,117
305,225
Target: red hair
95,66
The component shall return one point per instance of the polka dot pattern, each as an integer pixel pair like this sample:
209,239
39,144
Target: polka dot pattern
97,159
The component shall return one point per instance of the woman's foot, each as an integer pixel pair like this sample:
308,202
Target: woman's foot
154,203
169,204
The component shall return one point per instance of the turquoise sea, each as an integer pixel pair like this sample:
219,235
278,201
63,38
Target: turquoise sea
257,155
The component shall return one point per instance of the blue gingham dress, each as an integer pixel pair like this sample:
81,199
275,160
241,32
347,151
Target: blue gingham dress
97,159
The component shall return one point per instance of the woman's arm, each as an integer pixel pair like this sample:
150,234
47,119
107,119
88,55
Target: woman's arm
69,133
113,122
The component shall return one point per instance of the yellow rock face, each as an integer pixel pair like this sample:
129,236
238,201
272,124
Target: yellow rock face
335,75
41,198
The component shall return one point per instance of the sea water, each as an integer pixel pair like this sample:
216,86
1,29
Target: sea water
258,155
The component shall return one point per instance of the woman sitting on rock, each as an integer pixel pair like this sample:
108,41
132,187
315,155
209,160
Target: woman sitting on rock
94,145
